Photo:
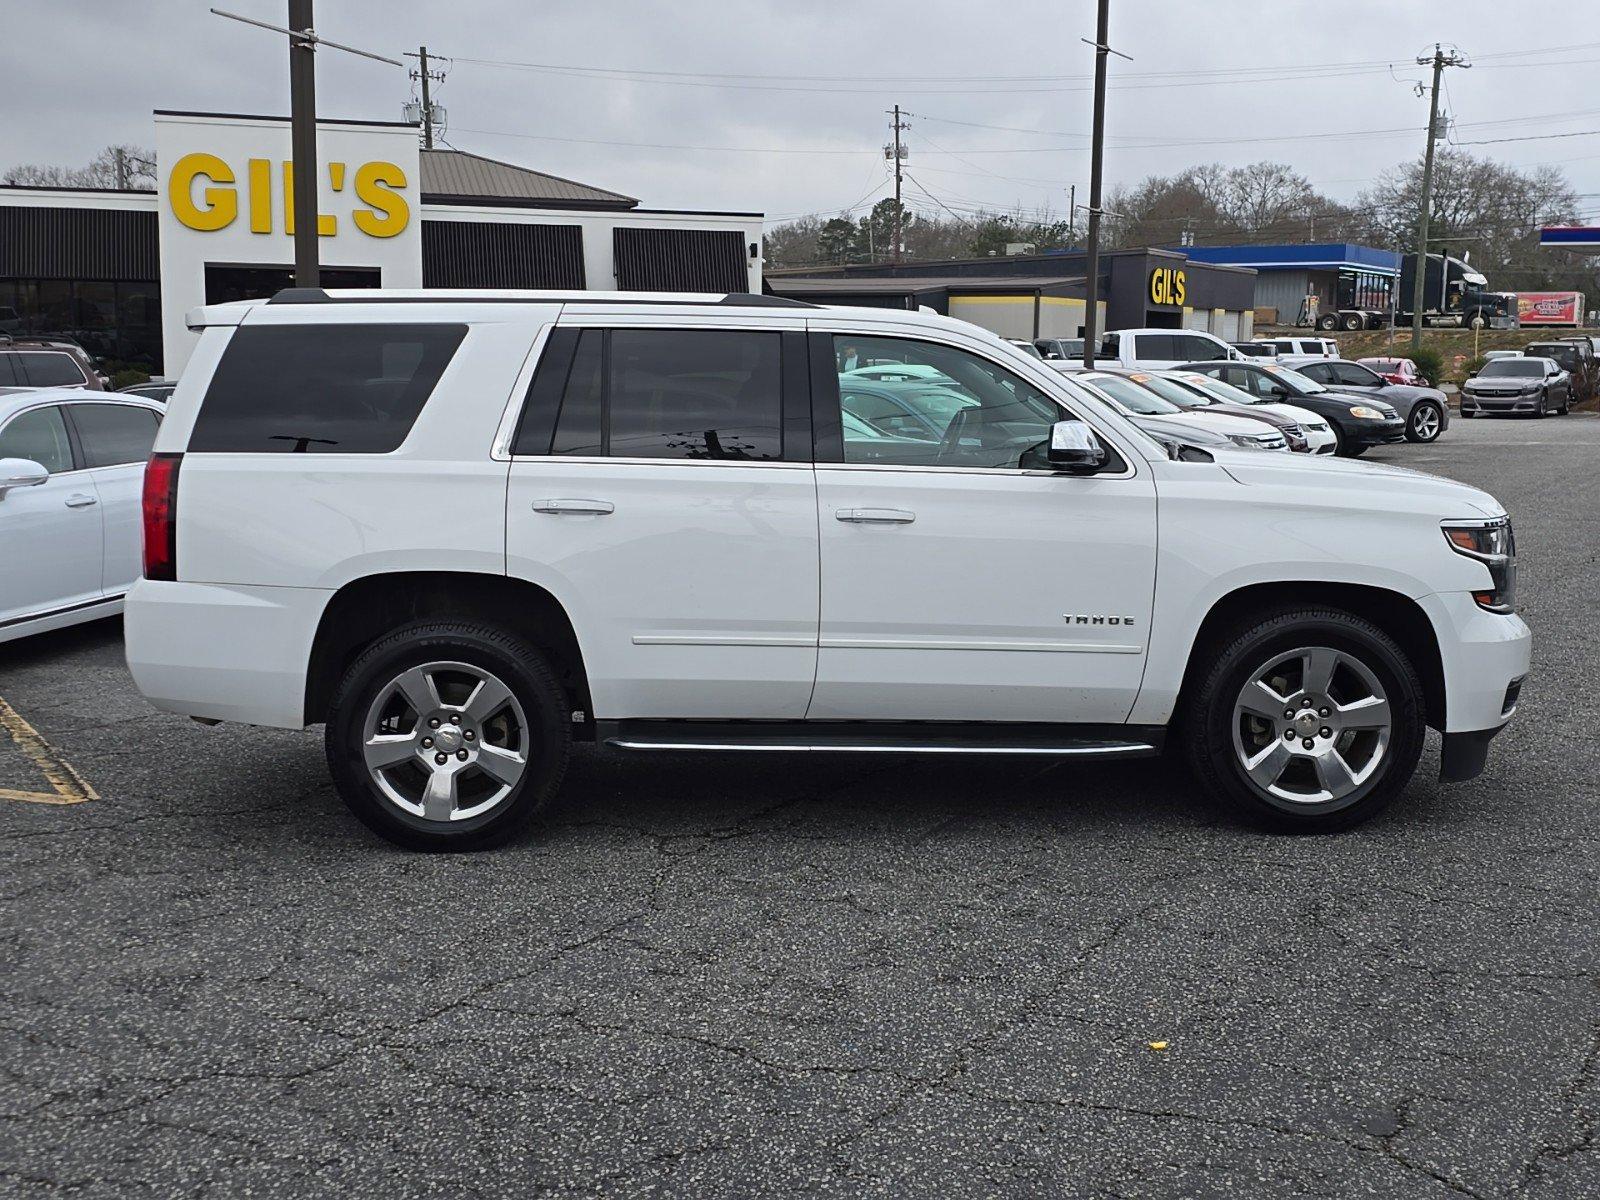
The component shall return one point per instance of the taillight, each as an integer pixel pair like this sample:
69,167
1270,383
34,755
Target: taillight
161,516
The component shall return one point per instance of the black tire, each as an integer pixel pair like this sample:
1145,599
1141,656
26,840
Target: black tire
532,685
1412,434
1543,410
1476,321
1328,322
1566,404
1208,715
1354,451
1353,322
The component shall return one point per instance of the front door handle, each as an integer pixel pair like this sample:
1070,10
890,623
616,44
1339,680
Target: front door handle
559,508
79,500
875,516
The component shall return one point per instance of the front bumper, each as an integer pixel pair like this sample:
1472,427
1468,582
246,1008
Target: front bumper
1525,402
1373,433
1485,657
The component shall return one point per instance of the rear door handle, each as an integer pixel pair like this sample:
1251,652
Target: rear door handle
79,500
558,508
875,516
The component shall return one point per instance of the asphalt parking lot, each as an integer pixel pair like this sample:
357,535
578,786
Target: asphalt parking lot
739,976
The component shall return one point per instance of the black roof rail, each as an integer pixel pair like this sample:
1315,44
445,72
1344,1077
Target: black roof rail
764,300
300,295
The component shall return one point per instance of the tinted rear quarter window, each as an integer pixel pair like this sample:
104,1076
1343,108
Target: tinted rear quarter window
322,389
50,368
8,370
112,434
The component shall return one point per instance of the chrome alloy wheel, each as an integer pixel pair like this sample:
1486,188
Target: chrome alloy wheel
445,741
1311,725
1426,423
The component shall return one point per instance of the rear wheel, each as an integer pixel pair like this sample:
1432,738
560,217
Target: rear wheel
1424,424
1307,720
1328,322
1353,322
448,736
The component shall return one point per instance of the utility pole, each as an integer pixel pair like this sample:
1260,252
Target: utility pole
1440,60
120,160
303,139
427,79
1091,268
303,43
427,102
1072,216
898,150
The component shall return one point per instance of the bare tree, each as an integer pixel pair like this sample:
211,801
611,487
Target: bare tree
125,166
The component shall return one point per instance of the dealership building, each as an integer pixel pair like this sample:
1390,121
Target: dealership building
117,270
1043,295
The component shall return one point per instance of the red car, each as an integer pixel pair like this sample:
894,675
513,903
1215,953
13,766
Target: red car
1396,370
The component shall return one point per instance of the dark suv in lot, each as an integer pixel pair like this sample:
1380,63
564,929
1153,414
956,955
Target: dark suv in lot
1359,423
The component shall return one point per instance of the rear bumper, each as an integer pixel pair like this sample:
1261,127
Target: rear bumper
225,653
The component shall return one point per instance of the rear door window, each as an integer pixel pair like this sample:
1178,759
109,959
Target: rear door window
673,393
1155,347
112,434
50,368
322,389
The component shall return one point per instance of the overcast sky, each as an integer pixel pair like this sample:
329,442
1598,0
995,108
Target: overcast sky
742,87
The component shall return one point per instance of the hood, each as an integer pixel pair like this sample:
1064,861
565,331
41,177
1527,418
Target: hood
1396,487
1374,397
1225,423
1507,384
1290,412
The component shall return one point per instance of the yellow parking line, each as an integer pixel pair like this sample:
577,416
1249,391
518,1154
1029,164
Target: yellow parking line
70,787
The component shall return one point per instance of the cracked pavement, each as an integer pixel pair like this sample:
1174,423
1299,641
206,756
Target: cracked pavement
744,976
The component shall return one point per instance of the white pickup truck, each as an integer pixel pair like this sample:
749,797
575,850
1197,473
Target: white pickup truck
463,530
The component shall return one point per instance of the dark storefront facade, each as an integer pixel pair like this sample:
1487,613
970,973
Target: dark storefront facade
1041,295
86,263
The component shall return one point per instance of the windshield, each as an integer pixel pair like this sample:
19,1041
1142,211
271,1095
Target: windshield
1174,393
1222,393
1565,355
1133,397
1295,381
1517,368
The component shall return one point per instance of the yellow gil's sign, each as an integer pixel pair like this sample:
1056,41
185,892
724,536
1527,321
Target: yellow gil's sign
1167,285
202,191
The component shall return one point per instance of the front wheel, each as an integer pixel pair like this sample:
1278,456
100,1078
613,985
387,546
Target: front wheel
1327,322
1424,424
448,735
1307,720
1544,406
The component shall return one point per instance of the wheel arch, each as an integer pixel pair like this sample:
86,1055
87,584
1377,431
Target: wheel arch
365,609
1397,614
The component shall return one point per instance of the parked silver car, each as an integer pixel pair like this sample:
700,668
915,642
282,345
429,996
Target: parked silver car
1535,386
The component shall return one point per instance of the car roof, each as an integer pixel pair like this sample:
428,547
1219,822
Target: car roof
28,398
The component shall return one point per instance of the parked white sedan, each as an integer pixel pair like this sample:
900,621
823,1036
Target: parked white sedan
71,474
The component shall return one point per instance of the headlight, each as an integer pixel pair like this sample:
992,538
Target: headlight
1362,412
1491,543
1245,441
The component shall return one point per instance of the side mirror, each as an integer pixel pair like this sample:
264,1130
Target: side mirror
20,473
1279,391
1074,447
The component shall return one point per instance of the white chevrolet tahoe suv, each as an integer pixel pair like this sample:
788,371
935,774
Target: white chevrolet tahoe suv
463,530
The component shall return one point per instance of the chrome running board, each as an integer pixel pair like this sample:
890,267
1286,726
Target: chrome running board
886,737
